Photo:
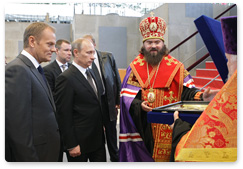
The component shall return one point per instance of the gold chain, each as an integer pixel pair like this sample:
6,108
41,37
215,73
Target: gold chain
154,76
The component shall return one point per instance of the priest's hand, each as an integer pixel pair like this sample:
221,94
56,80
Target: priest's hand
145,106
176,116
208,94
75,151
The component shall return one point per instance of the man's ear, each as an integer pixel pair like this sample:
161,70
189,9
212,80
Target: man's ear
57,50
75,52
32,41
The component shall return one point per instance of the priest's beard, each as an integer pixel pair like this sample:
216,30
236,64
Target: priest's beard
154,59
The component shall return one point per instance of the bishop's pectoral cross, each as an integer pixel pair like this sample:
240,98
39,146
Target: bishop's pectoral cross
152,14
171,98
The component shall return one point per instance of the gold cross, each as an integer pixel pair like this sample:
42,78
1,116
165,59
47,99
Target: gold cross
170,61
139,60
171,98
152,14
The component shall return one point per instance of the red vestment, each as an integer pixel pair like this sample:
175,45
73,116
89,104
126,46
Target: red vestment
168,87
213,137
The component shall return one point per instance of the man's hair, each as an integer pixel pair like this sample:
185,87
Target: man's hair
91,37
59,43
77,44
35,29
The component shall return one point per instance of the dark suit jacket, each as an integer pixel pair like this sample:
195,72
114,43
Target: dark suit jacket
31,130
112,82
79,111
52,71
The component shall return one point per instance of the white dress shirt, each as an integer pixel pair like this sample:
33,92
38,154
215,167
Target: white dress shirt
83,71
31,58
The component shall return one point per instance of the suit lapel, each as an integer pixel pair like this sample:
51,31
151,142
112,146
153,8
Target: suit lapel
56,67
69,64
96,73
40,79
98,83
80,77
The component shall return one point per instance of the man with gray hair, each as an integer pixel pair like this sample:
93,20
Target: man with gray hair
105,70
79,112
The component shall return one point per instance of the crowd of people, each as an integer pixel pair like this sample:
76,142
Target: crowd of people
72,108
64,107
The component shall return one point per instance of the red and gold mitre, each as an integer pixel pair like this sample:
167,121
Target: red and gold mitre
152,28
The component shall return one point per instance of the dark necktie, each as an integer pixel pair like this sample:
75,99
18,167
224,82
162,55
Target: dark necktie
41,71
89,78
99,79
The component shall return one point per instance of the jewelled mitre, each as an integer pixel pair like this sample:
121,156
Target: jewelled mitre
152,28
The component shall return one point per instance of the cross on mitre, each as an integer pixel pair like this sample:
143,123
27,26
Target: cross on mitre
152,14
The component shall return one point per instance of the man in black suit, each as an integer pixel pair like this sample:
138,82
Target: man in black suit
105,69
79,112
31,130
54,69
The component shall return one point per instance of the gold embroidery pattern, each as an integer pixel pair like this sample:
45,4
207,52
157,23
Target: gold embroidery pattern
162,133
181,81
170,98
139,60
186,73
171,60
144,28
215,130
208,155
132,80
162,142
173,74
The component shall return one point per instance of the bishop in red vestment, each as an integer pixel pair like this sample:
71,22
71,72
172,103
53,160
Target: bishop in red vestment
154,78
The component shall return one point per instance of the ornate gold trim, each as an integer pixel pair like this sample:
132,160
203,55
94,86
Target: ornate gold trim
173,74
207,154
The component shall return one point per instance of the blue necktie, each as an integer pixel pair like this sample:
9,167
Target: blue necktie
41,71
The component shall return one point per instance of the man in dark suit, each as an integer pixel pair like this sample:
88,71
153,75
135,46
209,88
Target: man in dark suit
79,112
54,69
31,130
105,69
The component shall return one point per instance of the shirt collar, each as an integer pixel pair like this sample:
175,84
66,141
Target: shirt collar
80,68
31,58
60,64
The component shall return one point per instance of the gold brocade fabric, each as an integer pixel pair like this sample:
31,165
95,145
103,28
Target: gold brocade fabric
213,137
162,133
